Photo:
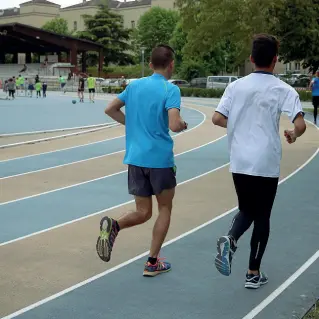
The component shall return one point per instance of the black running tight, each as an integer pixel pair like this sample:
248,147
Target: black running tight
256,196
315,102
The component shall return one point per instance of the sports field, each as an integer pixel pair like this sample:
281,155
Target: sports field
61,170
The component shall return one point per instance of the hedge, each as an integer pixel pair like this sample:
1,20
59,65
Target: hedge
305,96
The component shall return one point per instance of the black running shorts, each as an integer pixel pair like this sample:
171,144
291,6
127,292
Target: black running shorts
91,90
145,182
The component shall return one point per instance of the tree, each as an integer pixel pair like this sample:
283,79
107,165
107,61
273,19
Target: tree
154,27
107,28
57,25
178,42
296,24
214,23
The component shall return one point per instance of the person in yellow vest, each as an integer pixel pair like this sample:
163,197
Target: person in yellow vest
21,83
91,86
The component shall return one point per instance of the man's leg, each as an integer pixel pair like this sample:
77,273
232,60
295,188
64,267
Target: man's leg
315,108
138,185
227,245
267,189
163,183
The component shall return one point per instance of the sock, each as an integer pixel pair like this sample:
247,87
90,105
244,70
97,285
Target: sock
152,260
117,226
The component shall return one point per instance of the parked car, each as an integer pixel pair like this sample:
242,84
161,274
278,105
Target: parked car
199,83
220,82
180,83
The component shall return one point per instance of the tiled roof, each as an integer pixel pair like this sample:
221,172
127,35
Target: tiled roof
113,4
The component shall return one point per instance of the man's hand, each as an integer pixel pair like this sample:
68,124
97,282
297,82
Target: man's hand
290,136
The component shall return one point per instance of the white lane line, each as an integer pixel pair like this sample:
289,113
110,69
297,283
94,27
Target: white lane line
62,149
102,177
89,280
55,130
101,211
45,139
96,157
82,145
282,287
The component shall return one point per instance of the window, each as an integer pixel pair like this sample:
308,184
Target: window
75,25
288,67
297,66
133,24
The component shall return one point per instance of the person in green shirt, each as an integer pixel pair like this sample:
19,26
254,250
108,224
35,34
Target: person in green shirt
62,83
91,86
21,83
38,87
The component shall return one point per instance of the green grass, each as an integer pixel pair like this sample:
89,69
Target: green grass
314,313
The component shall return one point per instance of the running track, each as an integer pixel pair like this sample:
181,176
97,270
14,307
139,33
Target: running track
49,268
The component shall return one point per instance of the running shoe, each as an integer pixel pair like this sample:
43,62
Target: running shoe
105,242
226,248
154,270
255,282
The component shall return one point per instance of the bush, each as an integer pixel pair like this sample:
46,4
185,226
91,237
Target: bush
112,89
305,96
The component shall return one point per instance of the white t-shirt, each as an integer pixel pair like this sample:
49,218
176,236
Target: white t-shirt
253,106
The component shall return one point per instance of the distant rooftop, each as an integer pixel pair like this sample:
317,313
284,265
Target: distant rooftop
113,4
40,2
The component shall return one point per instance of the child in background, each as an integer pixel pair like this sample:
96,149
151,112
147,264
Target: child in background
44,89
11,88
30,86
38,87
5,88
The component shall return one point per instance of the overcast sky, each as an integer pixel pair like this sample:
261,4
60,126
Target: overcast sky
15,3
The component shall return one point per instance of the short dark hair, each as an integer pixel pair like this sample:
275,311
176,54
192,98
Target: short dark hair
264,49
162,56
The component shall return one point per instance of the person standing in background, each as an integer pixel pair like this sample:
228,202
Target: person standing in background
314,87
44,89
38,87
30,86
91,86
81,89
62,83
11,88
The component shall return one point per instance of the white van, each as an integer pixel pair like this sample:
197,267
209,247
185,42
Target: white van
220,82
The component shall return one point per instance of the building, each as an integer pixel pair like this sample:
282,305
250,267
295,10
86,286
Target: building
37,12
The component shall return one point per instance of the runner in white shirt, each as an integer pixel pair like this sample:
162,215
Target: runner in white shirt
250,109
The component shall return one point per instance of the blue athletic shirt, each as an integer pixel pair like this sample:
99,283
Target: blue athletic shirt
315,87
147,101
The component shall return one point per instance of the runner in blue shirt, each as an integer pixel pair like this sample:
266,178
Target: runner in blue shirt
314,86
152,107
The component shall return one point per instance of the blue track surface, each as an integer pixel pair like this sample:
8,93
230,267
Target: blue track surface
28,115
194,289
80,153
58,207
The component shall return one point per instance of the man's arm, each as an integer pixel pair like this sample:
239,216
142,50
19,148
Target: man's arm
176,123
299,129
293,108
172,105
113,110
219,119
